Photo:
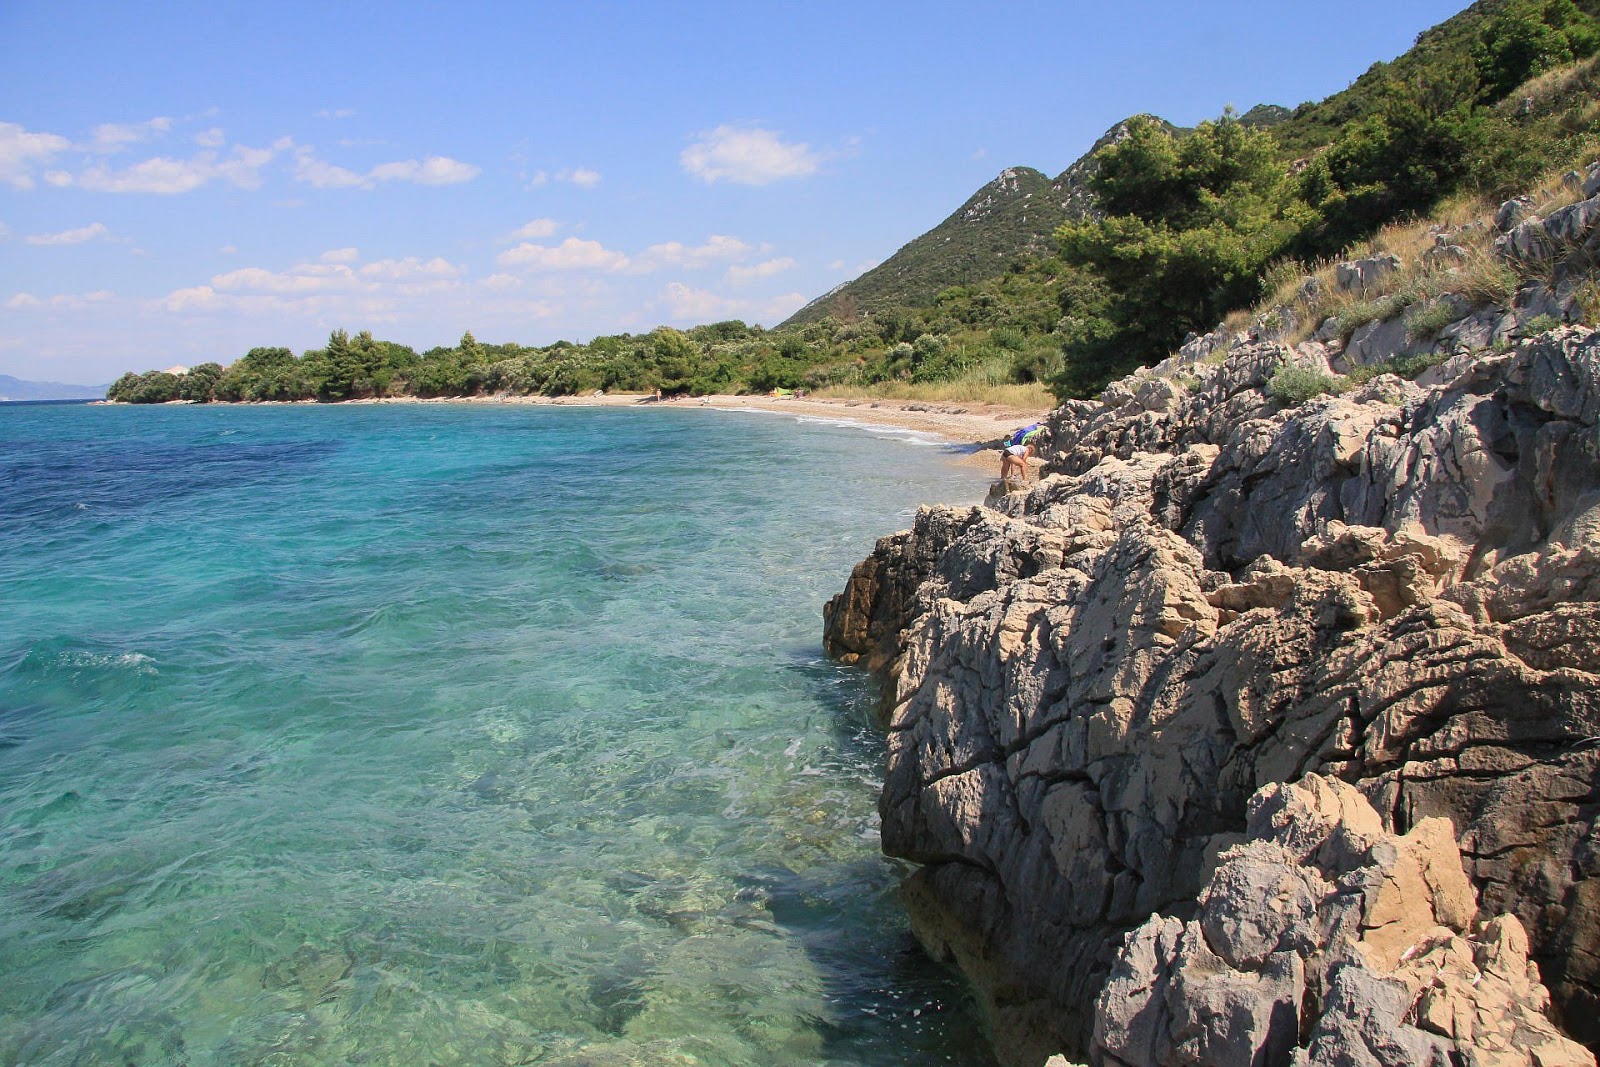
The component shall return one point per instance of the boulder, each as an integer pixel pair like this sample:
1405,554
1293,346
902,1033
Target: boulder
1362,276
1512,212
1325,939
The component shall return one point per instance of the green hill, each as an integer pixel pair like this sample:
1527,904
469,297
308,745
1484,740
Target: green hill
1011,218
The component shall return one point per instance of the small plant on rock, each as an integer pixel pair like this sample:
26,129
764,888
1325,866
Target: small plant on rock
1424,321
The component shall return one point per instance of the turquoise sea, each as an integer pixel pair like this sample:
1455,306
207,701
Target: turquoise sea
448,734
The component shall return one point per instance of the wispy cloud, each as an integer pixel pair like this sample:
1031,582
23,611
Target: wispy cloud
580,176
534,230
583,177
109,137
60,301
434,170
164,176
71,237
745,275
747,156
336,113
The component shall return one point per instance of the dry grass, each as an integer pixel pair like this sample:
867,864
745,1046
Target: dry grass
1481,278
1032,396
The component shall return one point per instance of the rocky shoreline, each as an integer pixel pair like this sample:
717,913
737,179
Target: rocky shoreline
1379,609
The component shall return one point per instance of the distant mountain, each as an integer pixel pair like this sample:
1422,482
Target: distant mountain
1010,218
16,389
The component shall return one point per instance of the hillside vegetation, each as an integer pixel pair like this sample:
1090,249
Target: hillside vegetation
1155,235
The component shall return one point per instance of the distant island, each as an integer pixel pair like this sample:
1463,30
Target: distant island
13,390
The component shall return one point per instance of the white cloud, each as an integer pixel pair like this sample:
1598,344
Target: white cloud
58,178
336,285
212,138
410,269
336,113
539,178
160,175
534,230
718,248
320,174
747,156
304,278
229,250
198,297
70,237
5,232
745,275
501,282
837,264
571,254
21,151
580,176
61,301
109,137
164,176
78,301
435,170
980,153
686,304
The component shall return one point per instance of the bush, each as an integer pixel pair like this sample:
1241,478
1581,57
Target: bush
1292,385
1424,321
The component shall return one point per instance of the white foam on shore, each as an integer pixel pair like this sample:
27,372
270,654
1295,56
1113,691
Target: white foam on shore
925,438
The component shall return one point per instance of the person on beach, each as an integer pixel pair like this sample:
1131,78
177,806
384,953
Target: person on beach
1018,450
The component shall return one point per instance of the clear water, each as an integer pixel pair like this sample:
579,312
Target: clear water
447,735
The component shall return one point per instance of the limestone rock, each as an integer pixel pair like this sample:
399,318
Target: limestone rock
1512,212
1395,592
1362,275
1325,940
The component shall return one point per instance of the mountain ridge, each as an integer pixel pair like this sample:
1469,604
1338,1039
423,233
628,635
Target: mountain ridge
1013,214
16,389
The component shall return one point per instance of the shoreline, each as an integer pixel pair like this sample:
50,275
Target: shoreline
979,425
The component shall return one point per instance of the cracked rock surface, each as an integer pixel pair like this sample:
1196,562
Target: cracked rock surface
1397,590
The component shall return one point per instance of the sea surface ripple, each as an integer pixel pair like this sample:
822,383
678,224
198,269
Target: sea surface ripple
447,735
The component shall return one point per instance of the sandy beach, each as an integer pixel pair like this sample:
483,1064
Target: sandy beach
976,424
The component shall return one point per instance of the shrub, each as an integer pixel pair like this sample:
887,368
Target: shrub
1399,366
1292,385
1424,321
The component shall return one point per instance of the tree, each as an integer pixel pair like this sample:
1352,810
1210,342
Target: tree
1190,225
1525,38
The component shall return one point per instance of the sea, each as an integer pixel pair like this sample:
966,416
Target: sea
443,734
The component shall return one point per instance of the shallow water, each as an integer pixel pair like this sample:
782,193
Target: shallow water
450,735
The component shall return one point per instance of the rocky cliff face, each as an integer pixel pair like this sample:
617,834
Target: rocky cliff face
1210,595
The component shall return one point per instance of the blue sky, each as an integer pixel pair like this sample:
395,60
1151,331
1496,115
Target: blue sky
183,181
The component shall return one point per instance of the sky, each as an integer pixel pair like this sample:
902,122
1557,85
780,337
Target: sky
182,182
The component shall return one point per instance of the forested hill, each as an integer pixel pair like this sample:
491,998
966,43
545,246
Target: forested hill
1011,218
1015,216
